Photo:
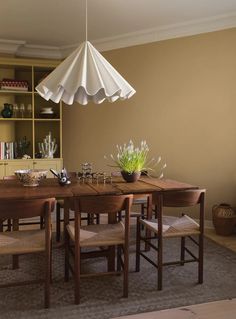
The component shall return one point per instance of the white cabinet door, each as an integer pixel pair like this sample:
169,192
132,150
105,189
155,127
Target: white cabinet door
47,164
12,166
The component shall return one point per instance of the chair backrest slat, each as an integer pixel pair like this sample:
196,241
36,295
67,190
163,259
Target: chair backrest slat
17,209
101,204
185,198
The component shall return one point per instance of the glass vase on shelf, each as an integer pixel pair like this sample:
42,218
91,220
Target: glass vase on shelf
15,110
7,110
22,110
29,110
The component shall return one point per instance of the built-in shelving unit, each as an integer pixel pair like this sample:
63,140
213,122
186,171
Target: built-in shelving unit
29,125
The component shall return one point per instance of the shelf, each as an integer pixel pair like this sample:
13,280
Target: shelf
47,120
15,119
47,159
15,92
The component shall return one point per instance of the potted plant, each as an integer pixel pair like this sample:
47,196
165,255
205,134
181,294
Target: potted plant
132,161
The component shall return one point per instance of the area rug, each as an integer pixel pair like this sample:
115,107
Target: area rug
101,296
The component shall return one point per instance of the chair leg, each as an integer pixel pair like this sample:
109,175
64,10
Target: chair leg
51,263
41,223
77,274
200,263
182,251
67,244
142,211
89,219
126,272
138,233
119,217
159,264
148,231
118,261
58,222
111,258
156,211
9,225
48,276
15,258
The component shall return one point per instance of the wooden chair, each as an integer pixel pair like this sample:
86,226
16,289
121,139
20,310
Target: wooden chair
172,226
9,223
28,241
103,236
14,224
60,205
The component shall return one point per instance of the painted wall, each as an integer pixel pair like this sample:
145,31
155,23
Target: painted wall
185,107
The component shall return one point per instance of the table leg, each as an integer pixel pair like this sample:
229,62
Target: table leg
112,218
66,236
149,216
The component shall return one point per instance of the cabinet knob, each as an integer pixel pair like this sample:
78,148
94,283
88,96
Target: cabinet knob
5,163
34,162
1,163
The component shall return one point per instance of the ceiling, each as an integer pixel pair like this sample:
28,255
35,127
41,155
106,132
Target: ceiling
57,26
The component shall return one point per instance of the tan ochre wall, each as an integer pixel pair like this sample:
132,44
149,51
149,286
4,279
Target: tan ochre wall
185,107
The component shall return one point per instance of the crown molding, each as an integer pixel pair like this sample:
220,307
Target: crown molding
10,46
193,27
171,31
39,51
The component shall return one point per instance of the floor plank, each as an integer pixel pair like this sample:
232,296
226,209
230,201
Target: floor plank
223,309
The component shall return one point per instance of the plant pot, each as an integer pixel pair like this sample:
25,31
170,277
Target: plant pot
224,219
130,177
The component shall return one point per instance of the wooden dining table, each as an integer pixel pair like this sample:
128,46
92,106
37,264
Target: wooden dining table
13,189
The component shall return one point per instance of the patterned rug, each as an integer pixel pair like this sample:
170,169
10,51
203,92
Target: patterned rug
101,296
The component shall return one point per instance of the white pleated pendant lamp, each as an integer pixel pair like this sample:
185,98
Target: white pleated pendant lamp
85,75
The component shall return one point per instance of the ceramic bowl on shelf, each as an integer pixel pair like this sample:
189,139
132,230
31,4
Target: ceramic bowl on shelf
47,115
46,110
31,177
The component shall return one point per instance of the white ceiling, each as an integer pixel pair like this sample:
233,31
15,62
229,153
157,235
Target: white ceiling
57,26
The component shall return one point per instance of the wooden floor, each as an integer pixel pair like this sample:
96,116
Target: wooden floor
226,241
223,309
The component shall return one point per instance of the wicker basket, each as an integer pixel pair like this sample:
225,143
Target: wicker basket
224,219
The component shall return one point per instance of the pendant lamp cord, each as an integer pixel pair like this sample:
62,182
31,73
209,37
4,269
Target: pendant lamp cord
86,20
